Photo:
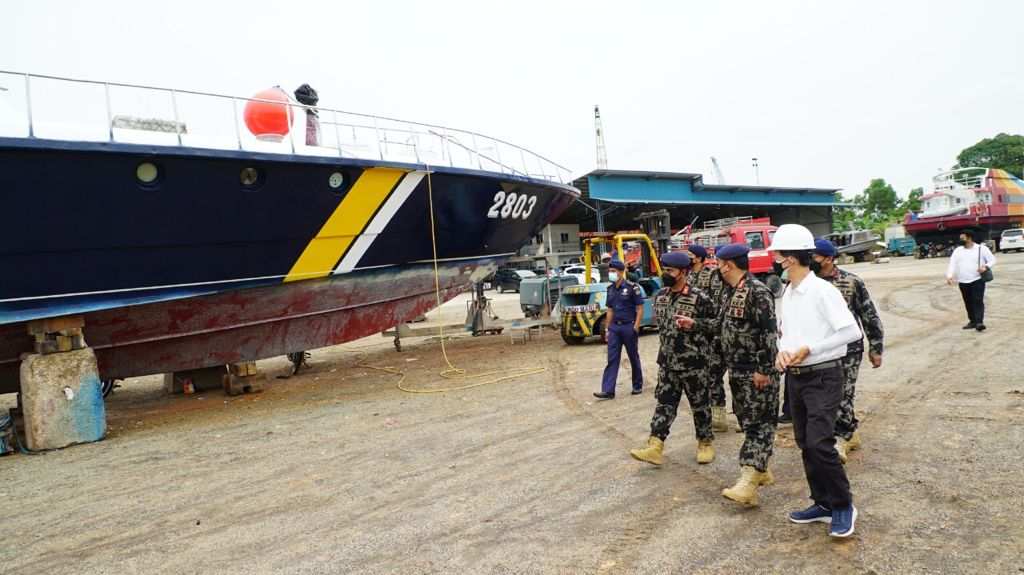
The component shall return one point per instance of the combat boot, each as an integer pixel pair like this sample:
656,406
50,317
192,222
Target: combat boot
841,447
745,490
651,453
854,443
766,478
705,452
718,418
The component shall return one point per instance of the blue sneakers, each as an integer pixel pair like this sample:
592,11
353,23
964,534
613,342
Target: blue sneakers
842,522
811,514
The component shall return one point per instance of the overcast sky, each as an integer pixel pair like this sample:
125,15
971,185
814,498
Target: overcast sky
824,94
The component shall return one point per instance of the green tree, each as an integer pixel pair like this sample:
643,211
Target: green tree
876,208
913,202
843,216
1005,152
880,200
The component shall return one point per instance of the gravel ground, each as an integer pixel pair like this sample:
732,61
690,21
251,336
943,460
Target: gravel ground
338,471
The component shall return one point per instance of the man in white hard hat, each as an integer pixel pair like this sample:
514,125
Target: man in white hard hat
815,327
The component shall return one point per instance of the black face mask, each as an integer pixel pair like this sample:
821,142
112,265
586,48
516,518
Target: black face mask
962,242
668,280
815,267
777,268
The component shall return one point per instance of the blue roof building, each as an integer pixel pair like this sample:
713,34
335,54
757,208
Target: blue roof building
611,199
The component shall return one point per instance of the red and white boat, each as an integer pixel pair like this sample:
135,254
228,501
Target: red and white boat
984,199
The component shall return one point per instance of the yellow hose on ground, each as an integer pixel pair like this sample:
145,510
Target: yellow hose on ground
453,372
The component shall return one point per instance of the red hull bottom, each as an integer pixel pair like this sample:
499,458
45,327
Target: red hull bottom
949,225
250,324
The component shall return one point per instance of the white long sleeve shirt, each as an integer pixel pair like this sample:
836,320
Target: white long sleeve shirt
815,314
965,262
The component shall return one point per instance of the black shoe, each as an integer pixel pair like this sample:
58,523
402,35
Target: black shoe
970,325
637,391
785,418
980,327
603,395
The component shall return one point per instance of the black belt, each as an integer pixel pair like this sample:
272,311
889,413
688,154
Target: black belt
622,322
802,369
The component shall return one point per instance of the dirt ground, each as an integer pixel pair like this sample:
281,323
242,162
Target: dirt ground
336,470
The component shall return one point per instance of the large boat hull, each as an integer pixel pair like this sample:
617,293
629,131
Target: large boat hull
201,269
248,324
987,204
948,229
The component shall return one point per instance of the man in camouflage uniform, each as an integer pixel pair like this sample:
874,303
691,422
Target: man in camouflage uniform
681,366
749,335
708,281
859,301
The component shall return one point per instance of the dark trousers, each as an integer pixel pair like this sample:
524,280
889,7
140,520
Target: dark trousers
815,399
622,335
974,300
786,409
717,368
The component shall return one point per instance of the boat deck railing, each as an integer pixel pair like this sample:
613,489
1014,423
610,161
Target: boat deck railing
960,179
50,107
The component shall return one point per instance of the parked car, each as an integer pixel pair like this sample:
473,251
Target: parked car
1011,240
580,272
508,279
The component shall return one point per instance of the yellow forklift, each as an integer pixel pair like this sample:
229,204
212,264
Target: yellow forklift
583,306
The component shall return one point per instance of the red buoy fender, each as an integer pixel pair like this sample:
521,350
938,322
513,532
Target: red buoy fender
267,119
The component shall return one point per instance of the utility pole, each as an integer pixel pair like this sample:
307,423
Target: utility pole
756,172
602,153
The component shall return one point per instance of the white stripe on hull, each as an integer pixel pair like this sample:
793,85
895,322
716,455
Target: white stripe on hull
379,221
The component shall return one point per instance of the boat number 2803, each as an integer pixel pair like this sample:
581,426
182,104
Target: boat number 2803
512,205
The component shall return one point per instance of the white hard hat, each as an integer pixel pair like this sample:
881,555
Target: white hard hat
792,237
606,256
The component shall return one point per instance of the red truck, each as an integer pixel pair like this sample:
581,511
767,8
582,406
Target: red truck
755,232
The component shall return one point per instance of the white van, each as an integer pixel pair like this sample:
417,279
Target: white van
1011,240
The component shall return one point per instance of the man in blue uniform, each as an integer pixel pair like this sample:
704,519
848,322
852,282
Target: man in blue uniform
625,310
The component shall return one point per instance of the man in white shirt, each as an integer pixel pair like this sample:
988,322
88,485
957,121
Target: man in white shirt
969,261
815,326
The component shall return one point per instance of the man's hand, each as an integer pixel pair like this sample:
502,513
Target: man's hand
800,355
761,381
782,361
949,281
982,269
636,328
684,321
876,361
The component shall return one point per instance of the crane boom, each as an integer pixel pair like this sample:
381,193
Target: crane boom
718,172
602,153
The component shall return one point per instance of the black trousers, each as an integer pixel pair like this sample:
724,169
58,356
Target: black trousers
815,399
974,300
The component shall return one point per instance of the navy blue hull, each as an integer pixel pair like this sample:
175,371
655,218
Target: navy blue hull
204,267
80,233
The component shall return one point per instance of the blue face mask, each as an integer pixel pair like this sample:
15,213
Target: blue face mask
614,276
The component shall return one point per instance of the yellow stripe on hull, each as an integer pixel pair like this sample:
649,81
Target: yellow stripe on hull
346,223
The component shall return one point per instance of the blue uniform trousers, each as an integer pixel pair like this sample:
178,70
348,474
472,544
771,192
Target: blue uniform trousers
619,335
